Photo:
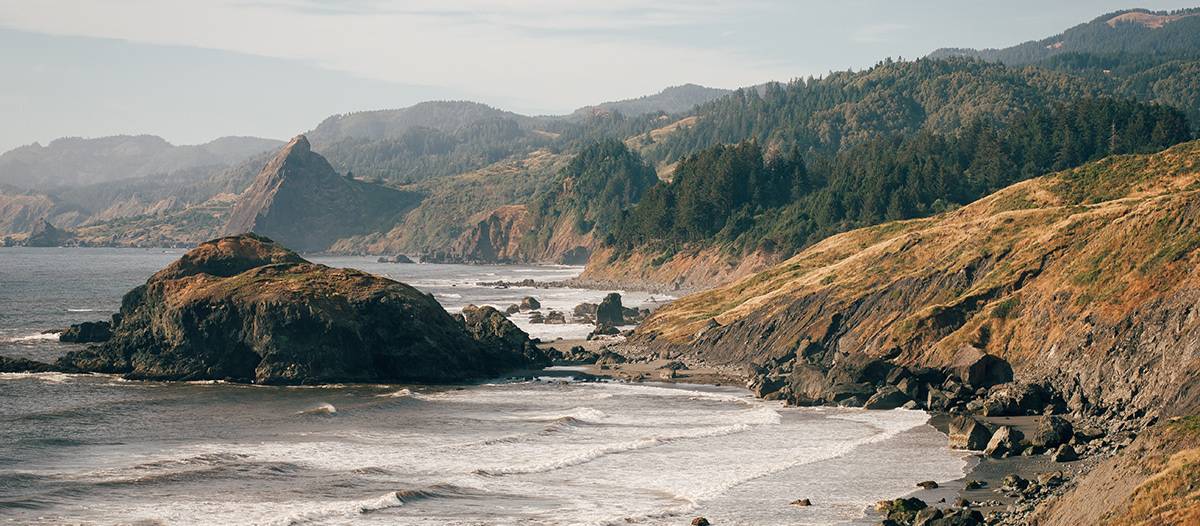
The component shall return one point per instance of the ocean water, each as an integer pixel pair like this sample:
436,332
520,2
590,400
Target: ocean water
96,449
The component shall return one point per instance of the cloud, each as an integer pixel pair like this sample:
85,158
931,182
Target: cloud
547,55
877,33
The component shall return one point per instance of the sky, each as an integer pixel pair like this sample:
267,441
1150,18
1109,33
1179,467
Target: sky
191,71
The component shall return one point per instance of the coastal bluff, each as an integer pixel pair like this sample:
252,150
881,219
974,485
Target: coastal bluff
244,308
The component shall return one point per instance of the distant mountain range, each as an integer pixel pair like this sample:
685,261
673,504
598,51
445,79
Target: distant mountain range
1131,31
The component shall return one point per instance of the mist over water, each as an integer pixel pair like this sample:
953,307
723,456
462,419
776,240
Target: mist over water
99,449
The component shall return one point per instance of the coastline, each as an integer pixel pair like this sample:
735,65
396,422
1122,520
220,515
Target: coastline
988,474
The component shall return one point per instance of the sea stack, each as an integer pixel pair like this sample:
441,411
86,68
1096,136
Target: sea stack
299,200
244,308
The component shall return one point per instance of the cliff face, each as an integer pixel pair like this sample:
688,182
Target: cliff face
299,199
495,237
1084,280
246,309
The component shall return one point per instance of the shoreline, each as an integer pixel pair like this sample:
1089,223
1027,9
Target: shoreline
988,495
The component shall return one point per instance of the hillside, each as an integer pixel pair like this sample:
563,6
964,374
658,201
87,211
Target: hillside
1056,275
1133,31
675,99
301,201
73,161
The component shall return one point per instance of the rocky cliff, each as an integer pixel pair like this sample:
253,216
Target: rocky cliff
244,308
299,199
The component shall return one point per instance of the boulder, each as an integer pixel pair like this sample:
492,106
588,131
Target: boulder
888,397
555,317
530,303
903,510
491,328
1051,431
604,330
927,484
1064,453
536,317
847,391
700,521
1005,442
966,432
762,386
1014,399
512,309
87,332
610,312
927,516
607,357
803,503
243,308
979,369
859,368
585,313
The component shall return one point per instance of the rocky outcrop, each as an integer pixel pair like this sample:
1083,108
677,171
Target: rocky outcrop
45,234
610,311
495,237
244,308
87,332
300,200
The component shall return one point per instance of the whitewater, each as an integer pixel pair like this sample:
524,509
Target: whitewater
97,449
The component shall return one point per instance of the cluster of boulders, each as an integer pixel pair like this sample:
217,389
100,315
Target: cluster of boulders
1054,435
606,315
398,258
915,512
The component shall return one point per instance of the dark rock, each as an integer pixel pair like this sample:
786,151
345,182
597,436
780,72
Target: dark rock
87,332
488,326
928,484
45,234
888,397
398,258
610,312
556,317
859,368
927,516
604,330
536,317
1014,482
980,369
1015,399
23,365
1051,431
530,303
762,386
959,517
1065,453
585,312
903,510
966,432
244,308
700,521
607,357
512,309
845,391
802,502
974,484
1005,442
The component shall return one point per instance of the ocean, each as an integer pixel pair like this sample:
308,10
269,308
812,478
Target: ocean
97,449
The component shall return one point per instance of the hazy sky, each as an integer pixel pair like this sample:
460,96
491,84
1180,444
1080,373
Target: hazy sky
192,70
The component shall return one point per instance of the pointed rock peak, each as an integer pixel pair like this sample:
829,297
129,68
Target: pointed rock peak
298,144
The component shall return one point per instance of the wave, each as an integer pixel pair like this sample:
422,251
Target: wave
82,310
625,447
403,393
353,508
54,378
449,295
41,336
323,408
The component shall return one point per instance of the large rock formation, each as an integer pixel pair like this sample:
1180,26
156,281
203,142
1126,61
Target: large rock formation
495,237
299,199
244,308
45,234
1085,280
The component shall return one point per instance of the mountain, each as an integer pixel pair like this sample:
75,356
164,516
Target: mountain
674,99
1132,31
74,161
300,200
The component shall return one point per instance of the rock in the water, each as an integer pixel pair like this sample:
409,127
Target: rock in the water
803,503
300,200
529,303
87,332
1005,442
966,432
45,234
928,484
244,308
585,313
610,312
700,521
888,397
512,309
488,326
555,317
23,365
1051,431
